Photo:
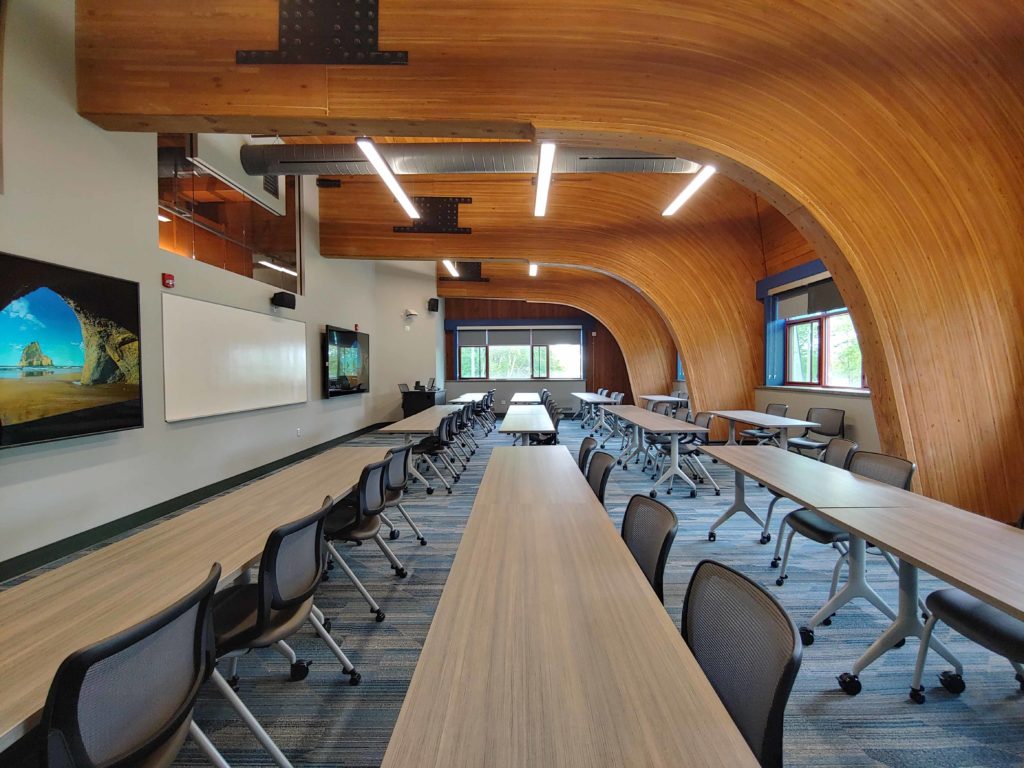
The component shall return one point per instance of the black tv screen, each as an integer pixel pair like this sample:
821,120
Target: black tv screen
70,357
346,362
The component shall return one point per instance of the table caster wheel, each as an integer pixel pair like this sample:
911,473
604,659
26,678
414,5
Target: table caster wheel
653,494
233,682
952,682
449,491
300,670
379,613
354,678
395,533
401,573
781,580
669,491
457,477
718,492
712,536
901,643
849,683
827,621
693,494
806,636
430,491
917,695
765,538
774,563
619,462
326,625
423,542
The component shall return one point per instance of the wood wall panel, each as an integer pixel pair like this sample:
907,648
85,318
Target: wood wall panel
697,269
887,131
783,245
637,331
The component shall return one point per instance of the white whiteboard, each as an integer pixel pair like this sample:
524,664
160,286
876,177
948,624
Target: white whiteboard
221,359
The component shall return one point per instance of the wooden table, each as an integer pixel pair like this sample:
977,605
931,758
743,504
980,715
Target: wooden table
657,423
470,397
522,420
422,423
525,398
652,399
549,647
45,619
759,419
981,556
590,401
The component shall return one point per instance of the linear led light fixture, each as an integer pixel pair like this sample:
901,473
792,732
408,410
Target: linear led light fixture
703,175
450,266
544,168
161,217
533,270
370,150
279,268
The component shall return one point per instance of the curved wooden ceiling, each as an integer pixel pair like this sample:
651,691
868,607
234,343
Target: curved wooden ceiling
889,132
638,329
698,267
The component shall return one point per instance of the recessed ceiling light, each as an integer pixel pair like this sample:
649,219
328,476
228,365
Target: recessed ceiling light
533,270
450,267
161,217
279,268
370,150
544,169
703,175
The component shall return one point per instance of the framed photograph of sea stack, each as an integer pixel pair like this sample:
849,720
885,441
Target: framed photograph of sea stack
70,358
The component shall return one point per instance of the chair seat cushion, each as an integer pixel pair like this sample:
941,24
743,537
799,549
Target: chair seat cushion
815,527
351,530
235,614
807,444
978,621
760,434
392,496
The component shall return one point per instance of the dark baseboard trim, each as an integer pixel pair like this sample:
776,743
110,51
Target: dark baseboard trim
29,561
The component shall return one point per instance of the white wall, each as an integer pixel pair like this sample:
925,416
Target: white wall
859,418
76,195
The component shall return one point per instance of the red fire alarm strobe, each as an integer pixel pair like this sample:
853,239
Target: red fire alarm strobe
168,280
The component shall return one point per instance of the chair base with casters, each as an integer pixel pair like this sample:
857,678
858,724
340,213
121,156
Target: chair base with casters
976,620
339,561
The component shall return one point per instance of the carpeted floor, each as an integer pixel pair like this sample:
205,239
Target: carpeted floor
322,721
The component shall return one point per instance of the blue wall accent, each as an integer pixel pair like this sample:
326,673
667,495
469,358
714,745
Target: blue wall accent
809,269
680,374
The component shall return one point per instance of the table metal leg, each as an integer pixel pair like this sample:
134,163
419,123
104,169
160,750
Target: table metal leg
632,447
906,623
674,470
601,424
739,504
732,433
784,438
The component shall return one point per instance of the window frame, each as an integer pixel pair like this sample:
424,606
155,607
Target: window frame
487,363
547,359
486,346
821,320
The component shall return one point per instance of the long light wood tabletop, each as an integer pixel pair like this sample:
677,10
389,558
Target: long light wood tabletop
593,398
521,419
421,423
470,397
658,423
764,420
650,421
46,618
525,398
549,647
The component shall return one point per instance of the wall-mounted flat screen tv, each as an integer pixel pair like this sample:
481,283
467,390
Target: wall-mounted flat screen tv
346,362
70,361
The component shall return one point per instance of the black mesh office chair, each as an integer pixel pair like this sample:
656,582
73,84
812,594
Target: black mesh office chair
838,454
749,649
762,435
395,483
128,700
831,423
265,614
985,624
435,446
649,528
600,469
586,448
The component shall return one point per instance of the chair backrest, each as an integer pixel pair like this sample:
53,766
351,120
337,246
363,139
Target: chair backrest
403,387
749,649
839,452
702,419
602,391
831,421
777,409
649,528
117,701
600,469
618,397
662,408
371,486
586,448
683,413
292,564
445,428
884,468
397,477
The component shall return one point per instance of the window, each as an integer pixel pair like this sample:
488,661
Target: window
822,350
520,353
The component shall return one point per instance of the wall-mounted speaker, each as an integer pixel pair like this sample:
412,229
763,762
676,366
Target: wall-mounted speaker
283,299
433,305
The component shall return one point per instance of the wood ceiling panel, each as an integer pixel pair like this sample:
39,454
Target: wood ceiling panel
646,344
889,133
